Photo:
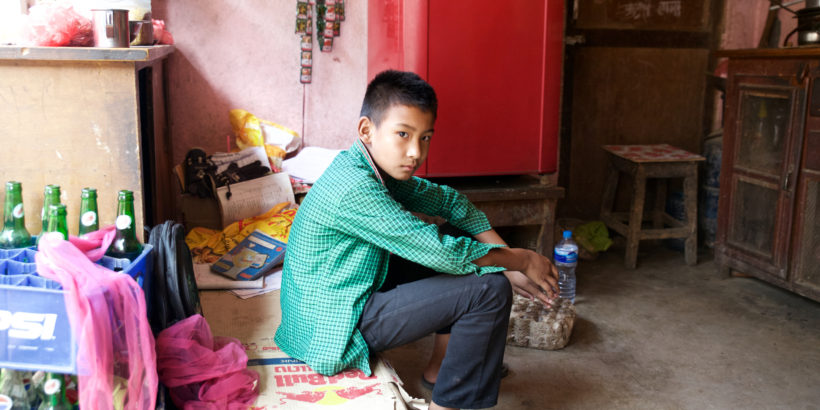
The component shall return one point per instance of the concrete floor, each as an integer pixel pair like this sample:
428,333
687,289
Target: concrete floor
663,336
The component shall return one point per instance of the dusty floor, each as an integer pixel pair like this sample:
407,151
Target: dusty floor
664,336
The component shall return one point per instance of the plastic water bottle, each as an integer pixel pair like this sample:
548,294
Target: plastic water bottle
566,259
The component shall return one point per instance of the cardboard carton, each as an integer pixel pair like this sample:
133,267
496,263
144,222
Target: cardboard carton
286,383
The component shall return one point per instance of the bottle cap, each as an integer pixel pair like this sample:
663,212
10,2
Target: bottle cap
567,234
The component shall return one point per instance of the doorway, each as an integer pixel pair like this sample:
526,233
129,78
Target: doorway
635,72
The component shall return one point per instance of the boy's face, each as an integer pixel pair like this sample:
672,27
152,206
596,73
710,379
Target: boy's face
400,143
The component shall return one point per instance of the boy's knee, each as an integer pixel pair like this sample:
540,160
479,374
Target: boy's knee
497,288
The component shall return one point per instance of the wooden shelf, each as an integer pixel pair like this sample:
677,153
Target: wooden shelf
133,54
90,117
791,52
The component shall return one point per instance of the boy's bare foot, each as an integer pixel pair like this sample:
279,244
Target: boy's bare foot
434,406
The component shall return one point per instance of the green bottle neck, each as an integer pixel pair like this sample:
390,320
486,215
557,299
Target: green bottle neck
88,204
125,220
14,213
89,218
57,223
125,244
52,197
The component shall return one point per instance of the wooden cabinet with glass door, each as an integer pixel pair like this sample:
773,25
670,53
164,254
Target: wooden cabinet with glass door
766,186
806,254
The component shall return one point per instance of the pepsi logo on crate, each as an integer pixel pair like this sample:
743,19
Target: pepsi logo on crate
35,333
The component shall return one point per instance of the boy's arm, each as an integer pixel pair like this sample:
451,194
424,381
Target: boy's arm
534,266
421,195
522,284
368,211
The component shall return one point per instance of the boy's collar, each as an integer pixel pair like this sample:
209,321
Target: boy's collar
366,154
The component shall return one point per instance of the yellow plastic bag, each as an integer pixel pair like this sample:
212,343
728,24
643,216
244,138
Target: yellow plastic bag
246,128
207,245
250,131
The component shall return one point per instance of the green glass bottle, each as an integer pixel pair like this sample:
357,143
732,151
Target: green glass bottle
51,196
14,234
12,390
55,222
125,245
89,221
54,388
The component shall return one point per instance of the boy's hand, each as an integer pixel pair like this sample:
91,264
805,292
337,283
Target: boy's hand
534,266
540,270
523,286
530,273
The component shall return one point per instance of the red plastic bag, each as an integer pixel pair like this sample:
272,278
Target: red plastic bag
58,24
161,34
203,371
107,313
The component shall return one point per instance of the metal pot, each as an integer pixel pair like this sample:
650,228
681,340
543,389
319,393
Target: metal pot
808,26
110,28
807,37
142,32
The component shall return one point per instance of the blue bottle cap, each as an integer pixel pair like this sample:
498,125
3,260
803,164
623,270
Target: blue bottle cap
567,234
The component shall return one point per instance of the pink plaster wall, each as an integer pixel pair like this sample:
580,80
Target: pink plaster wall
244,54
744,21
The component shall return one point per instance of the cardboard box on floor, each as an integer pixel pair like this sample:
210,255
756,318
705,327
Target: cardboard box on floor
286,383
240,200
199,212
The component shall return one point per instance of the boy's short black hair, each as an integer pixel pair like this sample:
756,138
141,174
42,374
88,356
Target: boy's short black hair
394,87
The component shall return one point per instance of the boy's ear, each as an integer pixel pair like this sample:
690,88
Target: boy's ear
366,128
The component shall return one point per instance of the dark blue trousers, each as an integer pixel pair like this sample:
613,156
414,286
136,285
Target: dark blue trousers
476,310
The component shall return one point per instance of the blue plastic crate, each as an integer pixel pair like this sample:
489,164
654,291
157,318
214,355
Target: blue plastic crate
19,254
138,269
34,330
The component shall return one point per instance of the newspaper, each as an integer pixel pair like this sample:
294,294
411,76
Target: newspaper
207,280
253,197
272,282
309,164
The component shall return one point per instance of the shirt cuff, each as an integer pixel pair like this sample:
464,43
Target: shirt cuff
479,250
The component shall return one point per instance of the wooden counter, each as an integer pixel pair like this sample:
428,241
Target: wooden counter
86,117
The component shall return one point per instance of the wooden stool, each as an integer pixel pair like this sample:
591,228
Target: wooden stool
658,161
512,201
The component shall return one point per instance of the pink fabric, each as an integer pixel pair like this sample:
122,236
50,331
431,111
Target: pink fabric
203,371
107,313
94,244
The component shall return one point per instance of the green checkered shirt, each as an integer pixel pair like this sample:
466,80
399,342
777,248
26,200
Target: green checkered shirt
338,248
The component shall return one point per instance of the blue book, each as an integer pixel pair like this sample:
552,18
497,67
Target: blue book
255,256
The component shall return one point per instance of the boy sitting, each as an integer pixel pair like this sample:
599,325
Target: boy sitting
335,309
